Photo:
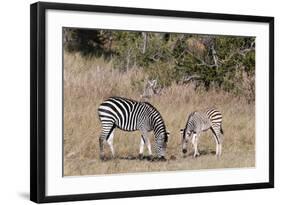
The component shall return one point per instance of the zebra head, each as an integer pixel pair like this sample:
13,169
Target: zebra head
161,144
186,137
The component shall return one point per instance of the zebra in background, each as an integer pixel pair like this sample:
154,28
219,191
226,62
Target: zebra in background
130,115
199,122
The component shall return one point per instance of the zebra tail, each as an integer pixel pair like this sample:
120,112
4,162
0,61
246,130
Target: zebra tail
221,129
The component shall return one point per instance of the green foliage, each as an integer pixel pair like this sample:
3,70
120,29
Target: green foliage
125,49
223,62
88,42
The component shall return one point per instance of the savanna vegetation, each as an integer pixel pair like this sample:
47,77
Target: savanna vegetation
189,72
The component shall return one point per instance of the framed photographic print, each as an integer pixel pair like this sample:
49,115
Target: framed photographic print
129,102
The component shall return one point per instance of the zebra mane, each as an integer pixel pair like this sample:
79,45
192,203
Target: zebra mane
191,115
154,108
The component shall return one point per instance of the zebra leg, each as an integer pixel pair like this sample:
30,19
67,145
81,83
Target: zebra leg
220,143
101,142
217,135
195,145
221,140
218,149
142,142
110,143
145,140
148,145
106,132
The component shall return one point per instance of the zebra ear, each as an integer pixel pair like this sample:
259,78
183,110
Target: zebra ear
168,133
181,131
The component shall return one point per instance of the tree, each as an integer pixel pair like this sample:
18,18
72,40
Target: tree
225,62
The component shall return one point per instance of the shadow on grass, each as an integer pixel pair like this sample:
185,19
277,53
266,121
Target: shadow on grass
137,158
204,152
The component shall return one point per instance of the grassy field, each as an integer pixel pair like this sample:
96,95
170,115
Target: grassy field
89,81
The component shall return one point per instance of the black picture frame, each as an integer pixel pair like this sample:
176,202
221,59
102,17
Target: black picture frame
38,101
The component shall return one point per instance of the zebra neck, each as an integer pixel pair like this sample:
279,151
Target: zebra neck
158,126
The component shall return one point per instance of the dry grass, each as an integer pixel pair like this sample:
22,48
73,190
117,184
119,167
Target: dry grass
87,82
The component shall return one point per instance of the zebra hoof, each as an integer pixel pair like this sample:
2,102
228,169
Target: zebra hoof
162,159
141,157
103,158
196,155
149,158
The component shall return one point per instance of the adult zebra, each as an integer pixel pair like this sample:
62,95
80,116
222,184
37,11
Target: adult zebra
130,115
199,122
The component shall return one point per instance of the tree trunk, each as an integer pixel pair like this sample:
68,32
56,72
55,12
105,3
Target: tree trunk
144,34
215,57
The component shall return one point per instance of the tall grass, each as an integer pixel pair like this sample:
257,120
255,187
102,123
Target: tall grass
89,81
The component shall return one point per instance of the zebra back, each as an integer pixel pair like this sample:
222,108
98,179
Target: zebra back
202,120
214,115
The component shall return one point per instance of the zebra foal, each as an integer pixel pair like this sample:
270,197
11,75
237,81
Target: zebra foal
131,115
199,122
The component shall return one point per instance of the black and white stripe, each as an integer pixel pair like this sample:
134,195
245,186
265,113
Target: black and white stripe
199,122
131,115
